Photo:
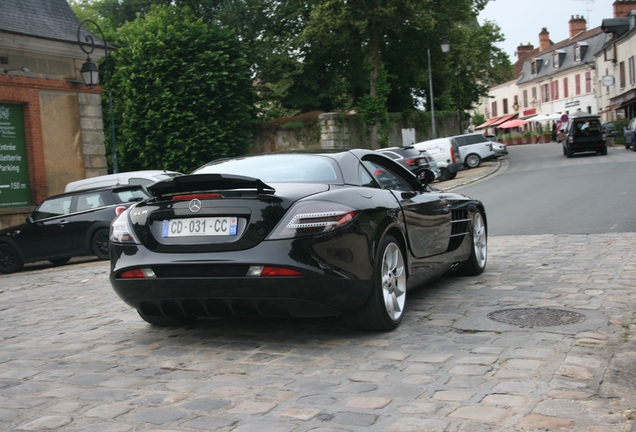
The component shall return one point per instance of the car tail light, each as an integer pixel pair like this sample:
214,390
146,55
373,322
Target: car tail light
413,162
121,231
452,155
198,196
271,271
313,217
139,273
119,210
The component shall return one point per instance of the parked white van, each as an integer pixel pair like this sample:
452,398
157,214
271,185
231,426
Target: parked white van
143,178
446,153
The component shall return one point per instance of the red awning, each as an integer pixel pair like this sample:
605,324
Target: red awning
496,121
487,123
503,119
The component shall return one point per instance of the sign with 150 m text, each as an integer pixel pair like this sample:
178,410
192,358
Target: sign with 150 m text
15,190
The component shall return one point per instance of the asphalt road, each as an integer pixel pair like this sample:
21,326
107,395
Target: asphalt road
543,192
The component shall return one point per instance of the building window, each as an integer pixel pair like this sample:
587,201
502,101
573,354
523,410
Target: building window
554,90
621,74
494,109
577,54
534,93
533,67
577,84
632,71
525,98
588,82
505,106
565,87
555,60
545,93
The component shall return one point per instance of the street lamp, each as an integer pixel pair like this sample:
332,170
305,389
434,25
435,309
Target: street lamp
90,75
25,70
445,44
469,67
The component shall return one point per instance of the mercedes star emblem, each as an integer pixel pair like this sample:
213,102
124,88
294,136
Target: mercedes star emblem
195,205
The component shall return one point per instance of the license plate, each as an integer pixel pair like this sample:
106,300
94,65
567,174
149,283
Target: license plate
204,226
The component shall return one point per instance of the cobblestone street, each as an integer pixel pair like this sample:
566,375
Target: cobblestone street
75,358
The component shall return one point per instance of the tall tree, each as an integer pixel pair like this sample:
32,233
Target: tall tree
184,91
389,26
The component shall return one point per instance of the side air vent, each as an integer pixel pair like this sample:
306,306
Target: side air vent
459,229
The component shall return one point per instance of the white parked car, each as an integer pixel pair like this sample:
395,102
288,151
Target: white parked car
474,148
143,178
499,148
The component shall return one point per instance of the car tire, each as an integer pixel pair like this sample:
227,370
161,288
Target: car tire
384,309
634,148
100,244
603,151
167,321
10,261
472,160
59,261
476,263
444,174
568,153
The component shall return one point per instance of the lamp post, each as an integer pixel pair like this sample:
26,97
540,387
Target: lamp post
445,48
90,75
469,67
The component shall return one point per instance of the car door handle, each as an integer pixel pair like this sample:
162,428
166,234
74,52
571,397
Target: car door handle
63,222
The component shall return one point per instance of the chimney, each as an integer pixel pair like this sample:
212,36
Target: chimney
577,25
622,8
544,39
522,49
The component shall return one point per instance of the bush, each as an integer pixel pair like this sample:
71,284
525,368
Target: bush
184,93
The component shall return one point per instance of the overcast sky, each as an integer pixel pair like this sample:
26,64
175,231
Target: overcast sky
521,21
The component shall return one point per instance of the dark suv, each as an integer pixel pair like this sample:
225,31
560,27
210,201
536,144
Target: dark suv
584,134
414,160
67,225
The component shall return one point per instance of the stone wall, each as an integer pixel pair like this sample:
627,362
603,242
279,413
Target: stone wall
345,131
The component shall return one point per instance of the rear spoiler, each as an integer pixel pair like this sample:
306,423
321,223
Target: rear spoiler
207,182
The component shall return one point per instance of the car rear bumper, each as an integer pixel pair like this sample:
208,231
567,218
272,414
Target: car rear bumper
455,166
585,146
335,278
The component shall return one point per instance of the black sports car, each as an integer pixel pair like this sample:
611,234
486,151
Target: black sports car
292,235
67,225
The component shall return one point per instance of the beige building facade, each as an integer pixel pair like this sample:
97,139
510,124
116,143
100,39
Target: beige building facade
51,129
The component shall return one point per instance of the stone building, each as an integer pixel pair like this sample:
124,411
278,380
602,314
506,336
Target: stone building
51,129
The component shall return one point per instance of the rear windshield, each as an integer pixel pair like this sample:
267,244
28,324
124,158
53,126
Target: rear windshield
130,195
584,128
278,168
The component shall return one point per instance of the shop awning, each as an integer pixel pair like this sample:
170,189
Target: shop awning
493,122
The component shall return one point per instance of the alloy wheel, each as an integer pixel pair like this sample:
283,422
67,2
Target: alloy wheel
393,281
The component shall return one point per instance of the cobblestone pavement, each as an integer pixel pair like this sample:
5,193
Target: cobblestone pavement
73,357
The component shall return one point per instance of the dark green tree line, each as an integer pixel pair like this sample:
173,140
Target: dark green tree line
339,55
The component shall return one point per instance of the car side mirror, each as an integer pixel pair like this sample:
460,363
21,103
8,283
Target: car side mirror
426,176
29,219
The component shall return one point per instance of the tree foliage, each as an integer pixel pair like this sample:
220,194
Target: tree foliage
329,55
184,93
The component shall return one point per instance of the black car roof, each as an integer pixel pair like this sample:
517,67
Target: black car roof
100,189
